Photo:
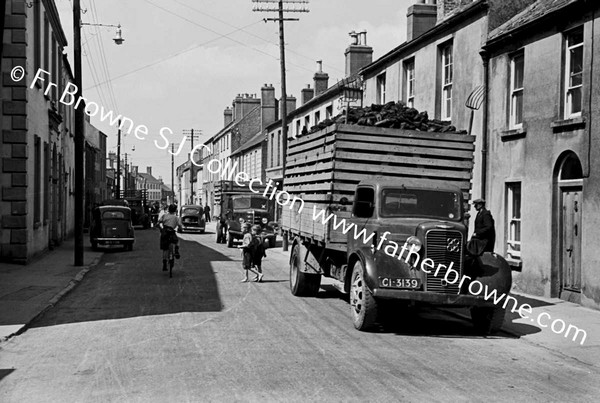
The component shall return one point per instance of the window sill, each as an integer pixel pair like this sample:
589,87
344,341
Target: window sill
513,134
515,265
568,124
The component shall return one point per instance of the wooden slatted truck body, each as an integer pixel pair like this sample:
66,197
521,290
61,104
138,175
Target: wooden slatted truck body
383,214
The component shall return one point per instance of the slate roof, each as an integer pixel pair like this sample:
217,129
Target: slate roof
257,139
149,178
530,14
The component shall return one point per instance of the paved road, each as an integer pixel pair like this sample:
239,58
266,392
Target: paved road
129,333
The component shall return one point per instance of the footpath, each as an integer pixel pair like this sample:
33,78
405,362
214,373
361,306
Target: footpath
27,291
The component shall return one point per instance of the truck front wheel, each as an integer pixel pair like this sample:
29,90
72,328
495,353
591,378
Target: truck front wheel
302,284
487,320
362,303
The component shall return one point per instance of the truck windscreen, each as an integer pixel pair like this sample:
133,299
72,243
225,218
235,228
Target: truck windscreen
259,203
445,205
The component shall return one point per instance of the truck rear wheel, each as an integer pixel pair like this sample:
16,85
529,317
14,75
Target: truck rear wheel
302,284
487,320
362,303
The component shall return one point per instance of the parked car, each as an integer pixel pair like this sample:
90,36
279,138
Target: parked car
111,226
192,218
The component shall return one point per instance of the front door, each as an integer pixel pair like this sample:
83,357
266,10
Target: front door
570,268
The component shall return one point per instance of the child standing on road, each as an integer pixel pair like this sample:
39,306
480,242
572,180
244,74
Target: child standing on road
247,255
258,252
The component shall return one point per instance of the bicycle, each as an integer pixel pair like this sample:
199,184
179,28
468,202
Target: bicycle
171,252
171,258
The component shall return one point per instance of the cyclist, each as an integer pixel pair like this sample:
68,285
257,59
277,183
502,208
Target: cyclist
169,223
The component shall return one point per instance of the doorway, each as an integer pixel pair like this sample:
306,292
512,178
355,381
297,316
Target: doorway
569,215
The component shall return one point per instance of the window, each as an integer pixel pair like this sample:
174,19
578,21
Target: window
573,72
272,147
409,75
307,122
278,147
37,37
364,202
317,117
46,43
517,67
328,112
37,195
47,180
513,220
447,76
53,68
381,89
298,127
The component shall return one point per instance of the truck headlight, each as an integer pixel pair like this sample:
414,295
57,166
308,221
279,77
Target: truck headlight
241,220
264,220
414,243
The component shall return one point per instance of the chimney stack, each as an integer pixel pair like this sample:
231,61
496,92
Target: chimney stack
445,7
358,54
243,104
149,170
421,17
306,94
227,116
268,105
291,104
321,79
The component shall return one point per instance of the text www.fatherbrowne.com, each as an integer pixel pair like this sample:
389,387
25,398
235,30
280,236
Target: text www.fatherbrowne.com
452,276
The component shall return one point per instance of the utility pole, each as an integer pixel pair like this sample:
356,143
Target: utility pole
118,173
173,145
192,137
126,176
295,6
79,139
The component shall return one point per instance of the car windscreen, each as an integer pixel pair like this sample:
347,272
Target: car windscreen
190,211
250,203
113,215
441,204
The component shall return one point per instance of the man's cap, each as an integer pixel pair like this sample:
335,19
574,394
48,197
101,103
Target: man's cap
247,225
257,228
482,201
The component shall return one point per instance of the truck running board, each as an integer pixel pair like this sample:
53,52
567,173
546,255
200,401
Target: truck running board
338,285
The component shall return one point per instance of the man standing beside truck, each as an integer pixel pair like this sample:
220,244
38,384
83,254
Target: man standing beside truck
485,234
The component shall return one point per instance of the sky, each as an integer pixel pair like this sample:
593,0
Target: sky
184,61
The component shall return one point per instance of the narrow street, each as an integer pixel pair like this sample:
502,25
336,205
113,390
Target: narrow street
130,333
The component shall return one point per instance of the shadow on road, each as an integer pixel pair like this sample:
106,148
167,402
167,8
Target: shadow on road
132,284
428,321
5,372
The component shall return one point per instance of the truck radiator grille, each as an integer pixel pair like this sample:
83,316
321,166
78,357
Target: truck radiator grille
444,247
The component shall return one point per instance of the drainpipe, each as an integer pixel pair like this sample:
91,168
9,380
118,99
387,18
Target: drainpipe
590,102
484,132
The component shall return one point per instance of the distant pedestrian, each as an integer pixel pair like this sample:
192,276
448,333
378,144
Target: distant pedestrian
247,255
207,213
258,252
484,236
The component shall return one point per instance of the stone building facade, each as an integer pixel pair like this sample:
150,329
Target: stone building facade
37,134
544,168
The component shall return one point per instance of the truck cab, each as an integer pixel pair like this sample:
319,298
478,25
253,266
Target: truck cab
252,208
416,251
